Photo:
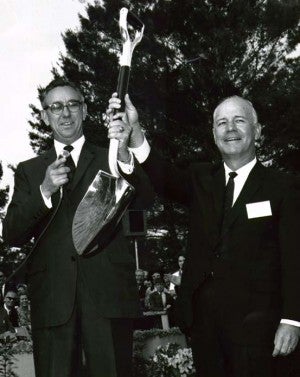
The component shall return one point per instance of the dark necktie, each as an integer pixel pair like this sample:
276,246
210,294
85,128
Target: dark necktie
70,163
229,190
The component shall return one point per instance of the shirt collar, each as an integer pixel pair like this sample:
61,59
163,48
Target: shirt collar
244,171
77,145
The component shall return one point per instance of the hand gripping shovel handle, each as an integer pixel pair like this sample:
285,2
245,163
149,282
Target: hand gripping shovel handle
127,22
108,196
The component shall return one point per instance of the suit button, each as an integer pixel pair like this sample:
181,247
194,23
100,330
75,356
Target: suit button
73,258
218,255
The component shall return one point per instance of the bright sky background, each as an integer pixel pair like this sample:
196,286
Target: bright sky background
30,42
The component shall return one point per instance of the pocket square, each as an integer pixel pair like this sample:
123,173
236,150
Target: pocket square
259,209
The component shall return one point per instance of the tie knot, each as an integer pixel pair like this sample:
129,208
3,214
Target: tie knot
68,148
232,175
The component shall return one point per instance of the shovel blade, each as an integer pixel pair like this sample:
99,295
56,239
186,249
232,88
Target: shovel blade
100,211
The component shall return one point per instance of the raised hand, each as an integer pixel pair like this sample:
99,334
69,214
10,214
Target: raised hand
130,116
56,176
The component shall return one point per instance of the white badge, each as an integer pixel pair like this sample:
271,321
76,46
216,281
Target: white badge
259,209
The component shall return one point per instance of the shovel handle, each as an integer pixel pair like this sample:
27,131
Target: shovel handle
122,89
126,19
123,81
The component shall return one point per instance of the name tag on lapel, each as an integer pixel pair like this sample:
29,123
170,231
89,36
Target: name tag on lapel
259,209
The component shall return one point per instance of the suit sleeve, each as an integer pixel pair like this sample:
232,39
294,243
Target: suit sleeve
144,190
290,255
168,180
25,212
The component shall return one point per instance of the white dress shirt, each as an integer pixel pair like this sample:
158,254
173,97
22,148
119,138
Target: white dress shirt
240,179
142,152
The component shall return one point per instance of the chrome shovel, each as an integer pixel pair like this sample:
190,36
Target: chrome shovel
109,195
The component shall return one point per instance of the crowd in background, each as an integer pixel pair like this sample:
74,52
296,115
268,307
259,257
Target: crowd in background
157,292
14,310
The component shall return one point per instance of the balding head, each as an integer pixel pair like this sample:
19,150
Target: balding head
235,130
248,106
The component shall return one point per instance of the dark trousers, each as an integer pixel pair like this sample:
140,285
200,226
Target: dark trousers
218,352
106,343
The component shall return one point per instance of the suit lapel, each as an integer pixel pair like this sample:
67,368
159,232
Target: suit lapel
252,184
87,155
218,187
49,156
214,183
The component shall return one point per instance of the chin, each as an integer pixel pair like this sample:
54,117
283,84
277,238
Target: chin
230,151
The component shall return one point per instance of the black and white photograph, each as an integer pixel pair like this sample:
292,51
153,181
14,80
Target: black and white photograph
150,188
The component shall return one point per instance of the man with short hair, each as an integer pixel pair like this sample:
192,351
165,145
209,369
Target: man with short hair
10,301
139,277
239,295
78,303
159,299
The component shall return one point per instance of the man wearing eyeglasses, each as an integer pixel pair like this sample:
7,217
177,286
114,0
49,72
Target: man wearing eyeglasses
10,301
77,303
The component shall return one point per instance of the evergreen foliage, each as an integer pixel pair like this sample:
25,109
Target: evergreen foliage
194,53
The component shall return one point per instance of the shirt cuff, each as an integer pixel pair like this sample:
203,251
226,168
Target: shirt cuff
127,167
141,153
47,201
290,322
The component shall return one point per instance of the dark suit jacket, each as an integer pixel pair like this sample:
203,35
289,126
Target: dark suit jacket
53,266
13,317
5,324
155,301
259,256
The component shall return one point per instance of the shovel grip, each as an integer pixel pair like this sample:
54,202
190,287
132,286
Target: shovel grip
123,81
122,88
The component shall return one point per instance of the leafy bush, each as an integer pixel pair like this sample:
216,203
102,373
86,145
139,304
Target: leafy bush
7,358
171,361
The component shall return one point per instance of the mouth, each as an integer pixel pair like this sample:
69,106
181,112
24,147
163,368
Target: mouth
66,124
231,139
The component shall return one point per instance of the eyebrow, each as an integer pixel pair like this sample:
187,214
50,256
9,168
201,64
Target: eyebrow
236,116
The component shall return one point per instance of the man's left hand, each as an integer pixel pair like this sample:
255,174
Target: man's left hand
286,339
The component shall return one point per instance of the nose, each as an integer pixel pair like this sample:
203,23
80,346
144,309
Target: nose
231,125
66,111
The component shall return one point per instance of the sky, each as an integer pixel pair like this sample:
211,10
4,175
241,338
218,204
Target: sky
30,42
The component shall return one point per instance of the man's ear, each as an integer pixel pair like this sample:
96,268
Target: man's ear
84,111
214,134
257,131
44,117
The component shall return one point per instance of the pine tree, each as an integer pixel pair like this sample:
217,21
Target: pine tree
194,53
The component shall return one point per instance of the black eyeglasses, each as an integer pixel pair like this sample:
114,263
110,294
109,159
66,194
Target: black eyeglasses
10,298
56,108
